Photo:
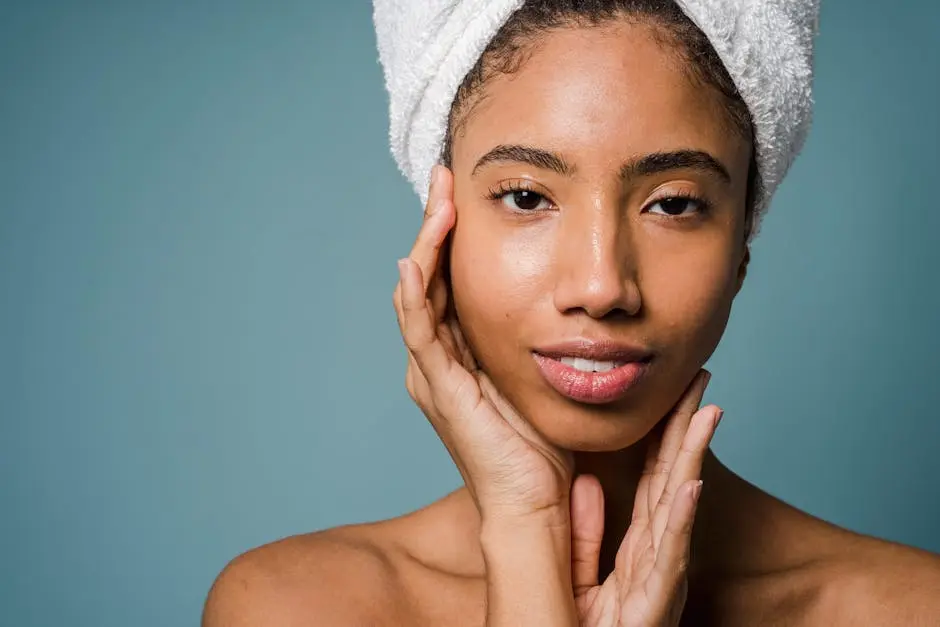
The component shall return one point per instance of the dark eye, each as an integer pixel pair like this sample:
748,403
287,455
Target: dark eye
524,200
675,206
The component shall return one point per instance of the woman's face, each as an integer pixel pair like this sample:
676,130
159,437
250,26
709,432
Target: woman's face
628,231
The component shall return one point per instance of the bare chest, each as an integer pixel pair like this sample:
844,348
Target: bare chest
434,599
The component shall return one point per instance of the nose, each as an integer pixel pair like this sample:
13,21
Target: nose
596,263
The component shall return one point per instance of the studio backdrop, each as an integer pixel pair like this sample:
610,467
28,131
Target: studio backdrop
199,222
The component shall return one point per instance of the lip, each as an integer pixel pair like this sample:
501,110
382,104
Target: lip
593,387
598,350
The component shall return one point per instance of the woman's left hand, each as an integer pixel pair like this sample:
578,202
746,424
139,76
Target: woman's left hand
648,585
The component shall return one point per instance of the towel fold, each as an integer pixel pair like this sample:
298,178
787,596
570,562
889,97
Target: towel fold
426,48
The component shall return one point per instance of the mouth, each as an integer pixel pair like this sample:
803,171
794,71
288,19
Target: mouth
594,372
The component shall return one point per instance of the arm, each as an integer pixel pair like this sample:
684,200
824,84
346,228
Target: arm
528,572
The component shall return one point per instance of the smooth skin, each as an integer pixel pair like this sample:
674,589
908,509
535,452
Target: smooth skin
520,482
578,514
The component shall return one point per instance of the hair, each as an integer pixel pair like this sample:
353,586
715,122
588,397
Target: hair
510,47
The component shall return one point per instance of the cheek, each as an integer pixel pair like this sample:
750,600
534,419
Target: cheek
689,300
498,276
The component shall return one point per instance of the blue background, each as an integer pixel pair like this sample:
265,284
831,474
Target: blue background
199,222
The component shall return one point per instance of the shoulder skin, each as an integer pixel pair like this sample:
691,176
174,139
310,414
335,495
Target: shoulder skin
331,577
881,583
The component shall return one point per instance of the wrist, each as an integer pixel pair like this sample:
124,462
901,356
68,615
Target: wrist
498,518
546,528
528,570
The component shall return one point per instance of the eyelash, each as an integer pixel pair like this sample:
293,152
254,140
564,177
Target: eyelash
704,207
512,187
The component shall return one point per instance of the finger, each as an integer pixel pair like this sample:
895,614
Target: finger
418,329
463,349
417,385
415,382
447,337
439,287
396,301
676,427
672,558
687,465
587,531
439,217
641,506
430,364
438,309
453,390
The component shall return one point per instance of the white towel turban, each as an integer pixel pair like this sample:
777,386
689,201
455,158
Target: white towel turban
426,48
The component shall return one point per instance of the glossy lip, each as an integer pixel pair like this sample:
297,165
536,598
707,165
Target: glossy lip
593,387
598,350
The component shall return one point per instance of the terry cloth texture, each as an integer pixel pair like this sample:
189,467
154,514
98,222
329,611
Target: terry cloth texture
426,48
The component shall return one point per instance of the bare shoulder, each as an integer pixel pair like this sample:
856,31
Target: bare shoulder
796,569
340,576
877,582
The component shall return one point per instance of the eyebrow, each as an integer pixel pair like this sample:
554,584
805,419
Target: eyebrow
647,165
525,154
658,162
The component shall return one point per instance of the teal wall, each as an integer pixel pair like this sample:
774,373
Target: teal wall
199,221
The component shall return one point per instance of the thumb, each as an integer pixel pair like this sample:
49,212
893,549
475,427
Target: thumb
587,531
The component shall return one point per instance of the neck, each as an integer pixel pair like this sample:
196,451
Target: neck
717,530
619,473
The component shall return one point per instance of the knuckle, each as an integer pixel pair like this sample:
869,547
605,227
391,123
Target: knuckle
411,304
416,339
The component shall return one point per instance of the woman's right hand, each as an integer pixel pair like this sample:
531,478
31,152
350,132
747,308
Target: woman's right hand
510,470
515,476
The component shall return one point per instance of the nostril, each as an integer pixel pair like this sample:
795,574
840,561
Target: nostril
594,275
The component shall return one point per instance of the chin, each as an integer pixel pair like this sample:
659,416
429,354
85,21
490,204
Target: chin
584,427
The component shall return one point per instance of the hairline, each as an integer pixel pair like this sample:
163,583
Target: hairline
472,90
464,104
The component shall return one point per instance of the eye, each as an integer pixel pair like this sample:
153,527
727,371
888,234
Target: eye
524,200
675,205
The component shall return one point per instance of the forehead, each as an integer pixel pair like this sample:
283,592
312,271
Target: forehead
601,94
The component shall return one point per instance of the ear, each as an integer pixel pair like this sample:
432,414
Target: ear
742,269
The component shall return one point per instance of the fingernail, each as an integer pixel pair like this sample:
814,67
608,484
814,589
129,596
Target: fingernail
721,413
401,267
697,490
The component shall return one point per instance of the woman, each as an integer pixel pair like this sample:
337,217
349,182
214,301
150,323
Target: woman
584,238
